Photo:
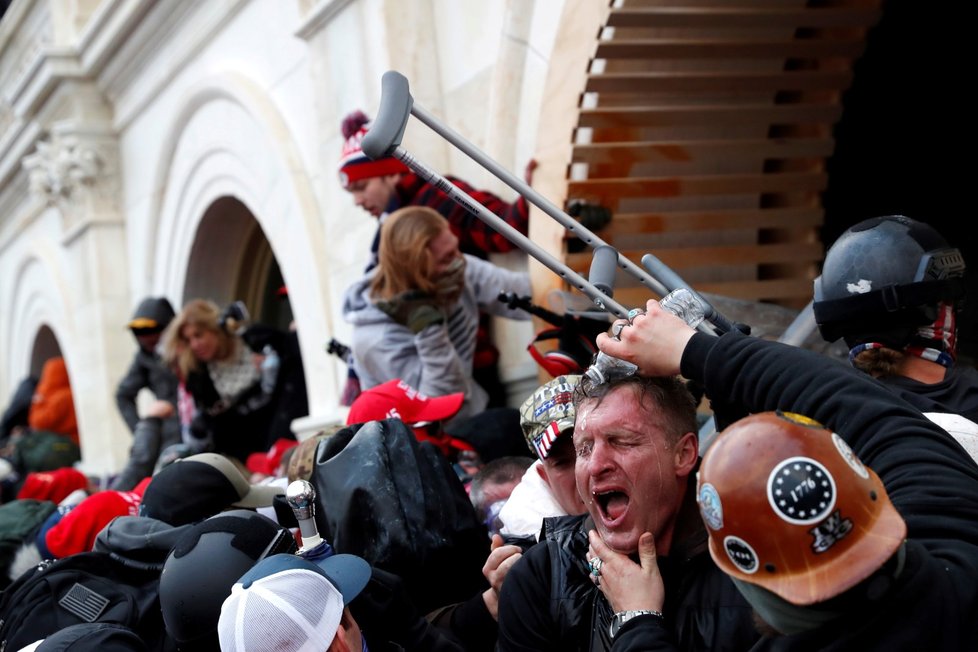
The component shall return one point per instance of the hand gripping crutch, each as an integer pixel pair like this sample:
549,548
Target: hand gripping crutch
384,139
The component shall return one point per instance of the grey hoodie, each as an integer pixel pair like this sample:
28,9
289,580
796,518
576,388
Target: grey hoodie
438,360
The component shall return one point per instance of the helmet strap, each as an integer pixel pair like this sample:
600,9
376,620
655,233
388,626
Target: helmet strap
935,341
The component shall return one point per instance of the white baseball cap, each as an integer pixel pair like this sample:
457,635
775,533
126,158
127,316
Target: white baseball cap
290,604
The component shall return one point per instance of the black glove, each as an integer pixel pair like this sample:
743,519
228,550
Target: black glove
415,309
234,317
199,428
592,217
340,350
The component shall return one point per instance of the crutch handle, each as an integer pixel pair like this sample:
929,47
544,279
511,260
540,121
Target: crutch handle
387,129
604,267
301,497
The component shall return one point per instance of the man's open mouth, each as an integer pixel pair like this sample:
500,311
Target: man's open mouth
613,504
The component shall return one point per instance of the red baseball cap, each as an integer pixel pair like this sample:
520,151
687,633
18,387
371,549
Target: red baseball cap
267,463
52,485
397,399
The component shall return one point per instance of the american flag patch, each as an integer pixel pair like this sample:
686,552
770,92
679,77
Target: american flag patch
546,439
84,603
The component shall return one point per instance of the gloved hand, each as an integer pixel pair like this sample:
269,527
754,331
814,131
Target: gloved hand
340,350
415,309
234,317
593,217
451,282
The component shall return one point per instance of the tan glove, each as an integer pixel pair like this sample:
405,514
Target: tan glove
415,309
450,284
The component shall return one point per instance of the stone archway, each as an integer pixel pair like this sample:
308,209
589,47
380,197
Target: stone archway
46,346
231,259
228,204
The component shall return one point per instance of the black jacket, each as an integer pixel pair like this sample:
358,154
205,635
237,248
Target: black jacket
549,603
289,396
930,480
147,370
238,428
957,393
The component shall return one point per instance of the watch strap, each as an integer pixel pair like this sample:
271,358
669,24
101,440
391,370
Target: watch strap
622,617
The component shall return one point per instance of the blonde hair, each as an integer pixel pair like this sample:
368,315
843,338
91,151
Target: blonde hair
201,314
403,259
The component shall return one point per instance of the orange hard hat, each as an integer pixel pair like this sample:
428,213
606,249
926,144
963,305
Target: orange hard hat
789,507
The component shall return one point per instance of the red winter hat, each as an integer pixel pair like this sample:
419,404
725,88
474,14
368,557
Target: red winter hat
354,164
52,485
397,399
76,531
267,463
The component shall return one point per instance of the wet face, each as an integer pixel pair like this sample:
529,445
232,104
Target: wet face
374,194
444,250
203,343
631,480
557,470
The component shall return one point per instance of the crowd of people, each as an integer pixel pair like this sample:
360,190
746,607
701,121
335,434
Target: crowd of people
836,510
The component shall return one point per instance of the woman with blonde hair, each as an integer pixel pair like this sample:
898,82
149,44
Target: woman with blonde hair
416,314
205,347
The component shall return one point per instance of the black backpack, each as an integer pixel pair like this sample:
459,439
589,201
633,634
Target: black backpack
19,522
83,588
398,503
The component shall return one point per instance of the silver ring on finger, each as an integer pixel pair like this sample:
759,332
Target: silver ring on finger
617,328
633,313
595,565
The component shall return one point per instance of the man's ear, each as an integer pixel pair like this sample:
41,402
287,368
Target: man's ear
339,641
542,472
687,453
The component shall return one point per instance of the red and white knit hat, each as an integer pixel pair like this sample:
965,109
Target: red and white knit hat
354,164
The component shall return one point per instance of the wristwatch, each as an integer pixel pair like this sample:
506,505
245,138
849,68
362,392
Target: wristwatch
622,617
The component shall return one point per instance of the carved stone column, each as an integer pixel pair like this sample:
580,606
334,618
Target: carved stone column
78,174
74,169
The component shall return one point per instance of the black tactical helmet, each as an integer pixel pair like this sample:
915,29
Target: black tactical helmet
205,563
883,278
